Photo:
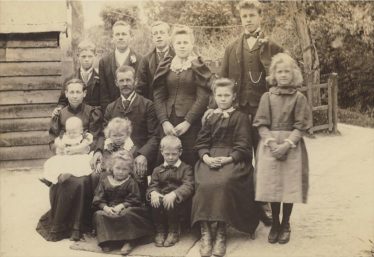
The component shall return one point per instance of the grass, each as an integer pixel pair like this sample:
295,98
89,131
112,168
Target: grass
352,117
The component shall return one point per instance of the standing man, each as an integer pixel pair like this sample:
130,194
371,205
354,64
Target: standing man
247,61
161,39
122,55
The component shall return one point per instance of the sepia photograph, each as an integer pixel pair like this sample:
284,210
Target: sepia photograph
186,128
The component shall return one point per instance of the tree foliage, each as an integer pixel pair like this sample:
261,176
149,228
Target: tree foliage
342,31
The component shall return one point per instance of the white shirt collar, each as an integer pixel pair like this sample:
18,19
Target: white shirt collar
177,164
86,71
127,145
121,57
225,113
130,98
177,65
165,50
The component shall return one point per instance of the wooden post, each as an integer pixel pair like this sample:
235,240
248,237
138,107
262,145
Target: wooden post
330,101
308,48
309,95
334,88
77,28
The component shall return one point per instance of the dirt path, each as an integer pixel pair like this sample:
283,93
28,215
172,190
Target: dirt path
337,221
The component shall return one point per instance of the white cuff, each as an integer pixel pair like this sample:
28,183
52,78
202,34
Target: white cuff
290,142
267,140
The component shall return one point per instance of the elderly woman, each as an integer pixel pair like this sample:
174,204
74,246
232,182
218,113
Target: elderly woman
181,92
71,197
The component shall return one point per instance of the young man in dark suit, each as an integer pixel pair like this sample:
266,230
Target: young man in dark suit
141,113
247,61
86,73
122,55
147,68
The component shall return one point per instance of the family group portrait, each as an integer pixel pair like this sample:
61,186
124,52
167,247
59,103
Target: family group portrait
186,128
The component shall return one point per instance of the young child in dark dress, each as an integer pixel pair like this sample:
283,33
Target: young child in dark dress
224,174
121,216
282,160
170,192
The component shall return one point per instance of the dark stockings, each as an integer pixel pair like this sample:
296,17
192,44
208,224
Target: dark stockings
275,211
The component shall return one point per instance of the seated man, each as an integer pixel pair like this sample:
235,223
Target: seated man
141,113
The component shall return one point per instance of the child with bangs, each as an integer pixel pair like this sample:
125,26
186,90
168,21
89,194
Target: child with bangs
282,160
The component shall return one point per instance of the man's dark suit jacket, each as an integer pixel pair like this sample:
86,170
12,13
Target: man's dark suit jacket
146,72
107,71
145,126
232,61
92,89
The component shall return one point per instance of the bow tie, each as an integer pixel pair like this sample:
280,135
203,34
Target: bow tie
252,34
169,167
126,104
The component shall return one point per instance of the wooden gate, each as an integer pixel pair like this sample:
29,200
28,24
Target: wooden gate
328,91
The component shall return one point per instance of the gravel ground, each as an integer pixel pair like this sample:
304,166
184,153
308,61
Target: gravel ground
338,219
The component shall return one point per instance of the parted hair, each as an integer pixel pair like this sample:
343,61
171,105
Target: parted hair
157,23
121,23
250,4
125,68
121,155
118,124
182,30
170,141
297,77
224,82
74,81
86,45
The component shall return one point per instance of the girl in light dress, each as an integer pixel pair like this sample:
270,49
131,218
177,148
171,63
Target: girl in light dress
282,160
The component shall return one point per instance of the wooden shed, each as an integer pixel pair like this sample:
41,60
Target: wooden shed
31,68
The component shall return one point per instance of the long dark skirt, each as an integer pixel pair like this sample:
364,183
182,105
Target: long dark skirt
225,194
70,209
189,155
133,224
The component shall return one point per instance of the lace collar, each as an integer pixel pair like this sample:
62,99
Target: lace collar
225,113
178,66
127,145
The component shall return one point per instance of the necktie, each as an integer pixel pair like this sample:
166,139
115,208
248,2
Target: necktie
85,76
161,55
126,104
252,34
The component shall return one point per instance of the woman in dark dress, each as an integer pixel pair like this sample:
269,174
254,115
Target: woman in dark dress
223,176
121,215
181,92
71,198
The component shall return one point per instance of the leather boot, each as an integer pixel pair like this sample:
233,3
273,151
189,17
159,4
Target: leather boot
274,233
219,248
285,233
173,235
160,235
206,239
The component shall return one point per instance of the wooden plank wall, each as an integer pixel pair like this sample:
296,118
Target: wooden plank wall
30,82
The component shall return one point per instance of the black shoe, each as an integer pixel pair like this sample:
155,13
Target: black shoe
273,234
284,234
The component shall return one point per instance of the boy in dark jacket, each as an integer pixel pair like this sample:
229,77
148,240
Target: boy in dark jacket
170,192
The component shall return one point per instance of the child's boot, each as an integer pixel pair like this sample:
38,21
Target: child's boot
160,235
274,233
173,235
219,248
285,233
206,239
